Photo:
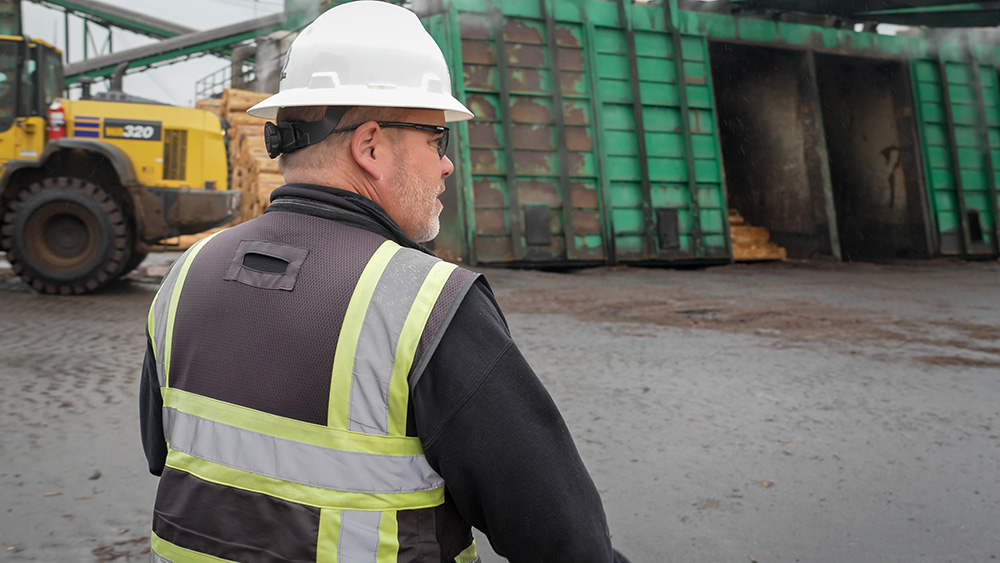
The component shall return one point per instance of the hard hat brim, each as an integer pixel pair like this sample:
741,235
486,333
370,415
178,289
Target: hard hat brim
362,96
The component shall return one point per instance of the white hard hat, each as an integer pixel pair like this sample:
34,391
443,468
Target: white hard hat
365,53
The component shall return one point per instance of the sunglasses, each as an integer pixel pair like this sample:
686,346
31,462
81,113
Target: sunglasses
440,138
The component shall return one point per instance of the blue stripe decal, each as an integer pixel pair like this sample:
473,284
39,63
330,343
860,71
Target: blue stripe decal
86,117
87,124
86,133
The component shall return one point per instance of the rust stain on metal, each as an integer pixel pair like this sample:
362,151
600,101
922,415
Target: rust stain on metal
582,194
572,82
485,161
474,27
483,134
525,80
489,193
577,164
532,137
478,76
586,222
526,110
515,31
538,192
574,114
570,59
482,107
478,52
566,38
494,249
533,162
578,139
491,221
524,54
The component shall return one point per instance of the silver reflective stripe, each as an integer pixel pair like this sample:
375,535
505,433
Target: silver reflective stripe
154,558
358,541
296,462
161,308
375,354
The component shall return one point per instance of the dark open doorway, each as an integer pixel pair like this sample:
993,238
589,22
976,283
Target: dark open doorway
770,137
871,142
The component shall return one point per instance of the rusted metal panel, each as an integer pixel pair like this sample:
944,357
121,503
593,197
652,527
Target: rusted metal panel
494,249
484,106
531,110
478,52
586,222
539,191
489,193
521,31
484,134
485,161
528,80
534,163
534,82
579,139
584,194
491,221
525,136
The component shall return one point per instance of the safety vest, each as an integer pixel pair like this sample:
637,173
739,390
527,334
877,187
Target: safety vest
286,349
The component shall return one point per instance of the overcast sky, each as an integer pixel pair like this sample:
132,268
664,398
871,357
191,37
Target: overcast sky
173,84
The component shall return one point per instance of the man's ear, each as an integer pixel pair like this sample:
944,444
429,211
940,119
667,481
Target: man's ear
368,148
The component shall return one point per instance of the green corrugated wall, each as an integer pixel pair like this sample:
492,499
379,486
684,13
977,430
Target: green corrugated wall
585,149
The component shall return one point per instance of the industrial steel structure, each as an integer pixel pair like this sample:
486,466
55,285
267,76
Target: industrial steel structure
628,131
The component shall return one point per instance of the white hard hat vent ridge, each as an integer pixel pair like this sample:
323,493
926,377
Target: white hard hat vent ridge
365,53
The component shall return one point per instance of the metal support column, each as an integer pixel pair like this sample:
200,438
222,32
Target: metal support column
513,205
625,19
558,112
817,150
675,33
984,132
463,176
963,218
605,204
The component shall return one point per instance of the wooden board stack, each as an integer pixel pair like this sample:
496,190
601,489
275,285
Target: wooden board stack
752,243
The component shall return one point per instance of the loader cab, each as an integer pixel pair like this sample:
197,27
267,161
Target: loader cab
31,78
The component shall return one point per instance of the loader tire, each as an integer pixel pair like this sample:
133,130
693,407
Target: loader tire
66,236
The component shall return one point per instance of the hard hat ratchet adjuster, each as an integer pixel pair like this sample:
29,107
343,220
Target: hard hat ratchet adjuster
287,137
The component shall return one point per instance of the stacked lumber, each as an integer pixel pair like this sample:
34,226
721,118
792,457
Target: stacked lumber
752,243
253,174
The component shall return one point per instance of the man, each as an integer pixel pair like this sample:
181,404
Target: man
317,385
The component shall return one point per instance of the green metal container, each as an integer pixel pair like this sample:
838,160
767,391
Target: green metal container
597,137
584,149
960,123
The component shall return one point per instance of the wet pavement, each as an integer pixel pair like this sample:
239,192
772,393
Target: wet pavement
790,411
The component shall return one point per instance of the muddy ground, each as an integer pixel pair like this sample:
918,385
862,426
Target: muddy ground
814,412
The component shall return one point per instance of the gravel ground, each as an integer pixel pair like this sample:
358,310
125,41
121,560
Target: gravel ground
814,412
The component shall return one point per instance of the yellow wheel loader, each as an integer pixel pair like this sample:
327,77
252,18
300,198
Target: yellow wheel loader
87,186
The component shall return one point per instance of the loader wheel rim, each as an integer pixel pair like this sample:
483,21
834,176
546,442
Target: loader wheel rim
62,236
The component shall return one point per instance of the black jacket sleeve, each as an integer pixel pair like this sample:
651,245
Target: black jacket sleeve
151,413
490,428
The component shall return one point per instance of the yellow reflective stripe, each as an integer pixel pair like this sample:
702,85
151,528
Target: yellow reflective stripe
409,338
281,427
149,322
172,552
468,554
347,342
175,297
298,493
388,538
328,535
